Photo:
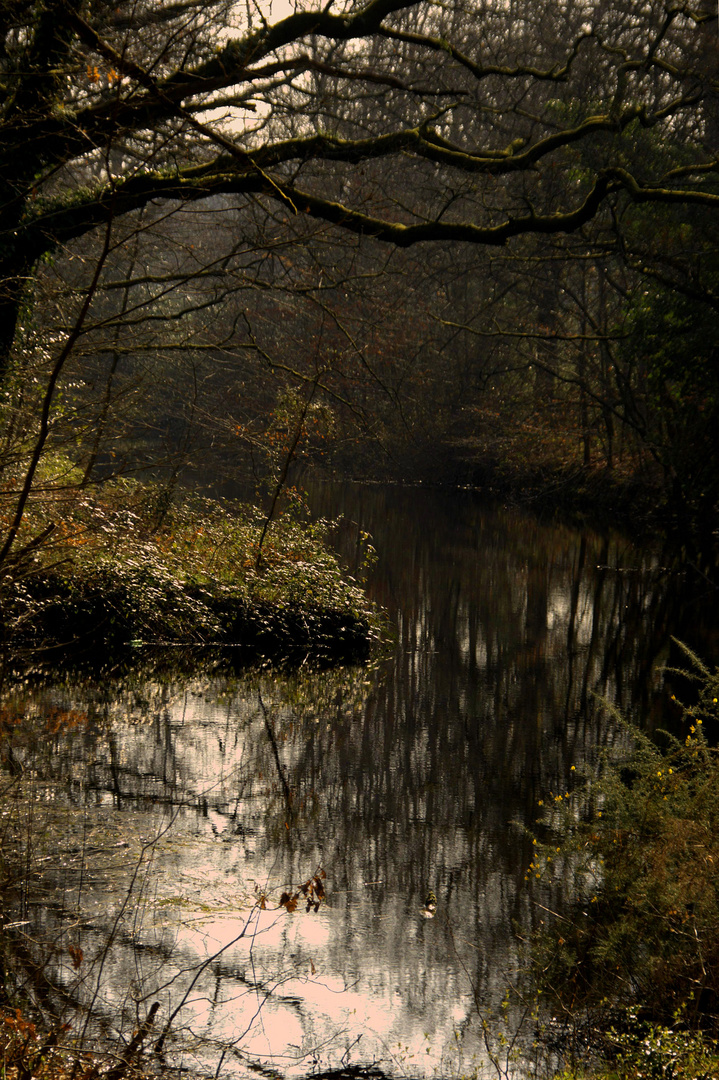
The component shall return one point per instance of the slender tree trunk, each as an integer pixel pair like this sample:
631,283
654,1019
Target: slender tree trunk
14,288
44,429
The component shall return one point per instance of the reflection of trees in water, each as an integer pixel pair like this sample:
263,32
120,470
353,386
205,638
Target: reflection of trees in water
410,776
507,630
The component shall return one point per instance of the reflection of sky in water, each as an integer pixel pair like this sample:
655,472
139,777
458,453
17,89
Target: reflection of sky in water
311,1003
367,977
405,778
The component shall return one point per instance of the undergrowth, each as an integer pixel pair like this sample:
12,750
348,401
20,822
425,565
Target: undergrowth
27,1054
631,852
123,564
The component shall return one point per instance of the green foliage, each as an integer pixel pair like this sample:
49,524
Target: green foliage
656,1052
645,1051
674,335
670,336
638,846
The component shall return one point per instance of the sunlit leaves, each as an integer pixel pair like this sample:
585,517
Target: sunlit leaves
125,565
311,892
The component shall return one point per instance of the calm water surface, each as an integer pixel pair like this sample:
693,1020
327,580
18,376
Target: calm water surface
185,809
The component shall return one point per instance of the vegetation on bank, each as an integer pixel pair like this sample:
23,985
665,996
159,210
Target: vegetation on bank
632,855
124,563
575,493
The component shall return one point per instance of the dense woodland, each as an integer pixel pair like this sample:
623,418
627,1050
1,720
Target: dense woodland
473,244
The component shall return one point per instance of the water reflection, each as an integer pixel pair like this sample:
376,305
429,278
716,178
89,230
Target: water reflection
215,795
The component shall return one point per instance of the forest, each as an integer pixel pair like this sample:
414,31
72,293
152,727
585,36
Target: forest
468,245
471,244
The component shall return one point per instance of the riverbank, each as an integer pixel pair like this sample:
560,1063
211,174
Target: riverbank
534,469
634,494
124,565
576,495
628,497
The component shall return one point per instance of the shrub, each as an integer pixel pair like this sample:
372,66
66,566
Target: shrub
637,847
119,570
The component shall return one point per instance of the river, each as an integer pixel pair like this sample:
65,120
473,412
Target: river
176,812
